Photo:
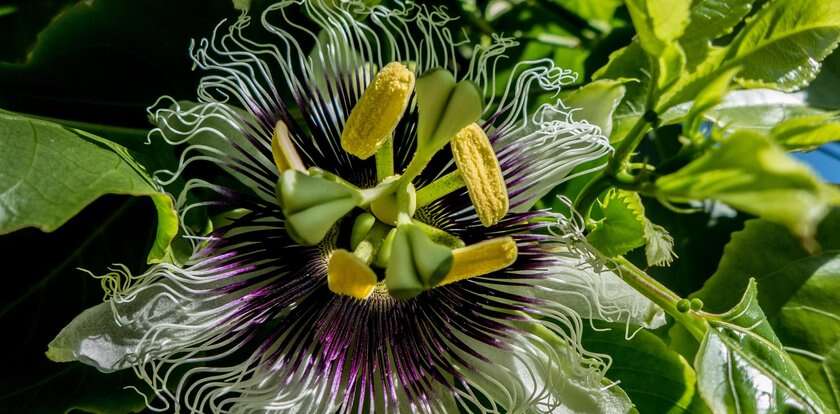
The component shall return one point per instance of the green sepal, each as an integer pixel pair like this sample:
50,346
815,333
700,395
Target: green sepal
445,106
416,263
312,205
361,227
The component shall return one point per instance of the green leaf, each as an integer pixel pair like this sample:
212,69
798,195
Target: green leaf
708,98
755,109
51,173
711,19
806,132
798,292
629,62
741,365
751,173
622,227
766,251
243,5
657,379
783,44
596,101
658,22
809,326
822,91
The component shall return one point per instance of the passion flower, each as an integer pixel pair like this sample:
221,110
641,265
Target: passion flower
379,253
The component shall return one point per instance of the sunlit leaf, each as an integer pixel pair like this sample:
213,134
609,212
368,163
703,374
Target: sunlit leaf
742,368
751,173
783,44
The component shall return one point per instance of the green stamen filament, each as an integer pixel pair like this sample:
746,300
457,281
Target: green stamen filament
439,188
385,160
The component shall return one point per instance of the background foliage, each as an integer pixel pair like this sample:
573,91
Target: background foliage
711,95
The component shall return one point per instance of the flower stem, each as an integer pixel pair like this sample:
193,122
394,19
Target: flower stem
439,188
662,296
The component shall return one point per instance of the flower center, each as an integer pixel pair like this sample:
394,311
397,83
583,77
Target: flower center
388,248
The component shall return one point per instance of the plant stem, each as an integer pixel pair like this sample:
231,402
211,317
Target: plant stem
662,296
607,177
627,146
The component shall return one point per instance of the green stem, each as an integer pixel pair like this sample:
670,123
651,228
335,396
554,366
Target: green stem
662,296
606,178
439,188
627,146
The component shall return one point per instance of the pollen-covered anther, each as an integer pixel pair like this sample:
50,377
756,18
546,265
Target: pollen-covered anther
480,259
283,150
348,275
377,113
480,170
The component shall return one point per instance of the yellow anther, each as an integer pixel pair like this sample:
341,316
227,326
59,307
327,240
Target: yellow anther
350,276
481,172
377,113
283,149
480,259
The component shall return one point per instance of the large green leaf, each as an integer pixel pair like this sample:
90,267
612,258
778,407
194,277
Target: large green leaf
754,109
783,44
751,173
767,252
657,379
742,368
50,173
822,92
798,292
809,326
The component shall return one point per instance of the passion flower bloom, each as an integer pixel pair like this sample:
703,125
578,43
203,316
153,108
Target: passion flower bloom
378,253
